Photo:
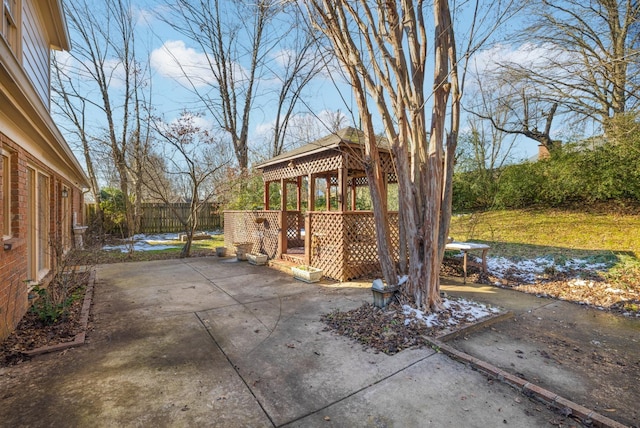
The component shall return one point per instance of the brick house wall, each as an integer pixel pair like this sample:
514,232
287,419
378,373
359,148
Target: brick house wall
41,164
14,272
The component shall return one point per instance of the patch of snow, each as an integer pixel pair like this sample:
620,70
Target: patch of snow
527,270
156,242
459,309
377,284
403,279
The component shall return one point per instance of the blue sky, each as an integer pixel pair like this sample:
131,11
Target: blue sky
321,97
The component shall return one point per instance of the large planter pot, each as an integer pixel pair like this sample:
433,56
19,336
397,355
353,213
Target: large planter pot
221,251
242,249
382,294
307,273
257,259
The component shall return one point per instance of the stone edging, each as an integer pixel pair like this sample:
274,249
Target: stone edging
84,321
587,416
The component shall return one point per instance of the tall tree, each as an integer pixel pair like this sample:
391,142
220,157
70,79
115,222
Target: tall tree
104,80
383,48
514,105
591,55
253,49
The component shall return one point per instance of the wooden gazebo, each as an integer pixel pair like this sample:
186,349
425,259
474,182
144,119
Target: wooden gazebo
322,228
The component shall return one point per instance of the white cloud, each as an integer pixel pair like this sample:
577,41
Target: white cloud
188,66
527,55
304,127
284,57
175,60
83,70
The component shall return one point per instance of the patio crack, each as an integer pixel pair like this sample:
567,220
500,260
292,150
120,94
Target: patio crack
236,369
382,379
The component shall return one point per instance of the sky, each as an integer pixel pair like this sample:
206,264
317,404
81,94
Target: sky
322,97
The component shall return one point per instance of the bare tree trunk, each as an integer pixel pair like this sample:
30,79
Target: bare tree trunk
385,59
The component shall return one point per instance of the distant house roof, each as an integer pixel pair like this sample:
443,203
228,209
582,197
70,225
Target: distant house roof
333,141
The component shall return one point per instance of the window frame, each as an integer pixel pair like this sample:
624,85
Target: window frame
7,200
10,23
38,223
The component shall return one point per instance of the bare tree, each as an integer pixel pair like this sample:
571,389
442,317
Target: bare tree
195,162
104,81
382,46
513,105
591,55
73,106
247,44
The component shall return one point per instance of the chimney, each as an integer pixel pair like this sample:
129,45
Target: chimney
543,152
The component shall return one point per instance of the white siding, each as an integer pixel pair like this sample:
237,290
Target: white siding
35,54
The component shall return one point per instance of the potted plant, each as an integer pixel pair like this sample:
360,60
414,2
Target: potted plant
257,259
221,251
306,273
242,249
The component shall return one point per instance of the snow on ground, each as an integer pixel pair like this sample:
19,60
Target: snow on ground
142,242
458,309
528,270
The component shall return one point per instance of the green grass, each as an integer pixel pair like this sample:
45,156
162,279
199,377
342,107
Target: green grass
198,248
609,238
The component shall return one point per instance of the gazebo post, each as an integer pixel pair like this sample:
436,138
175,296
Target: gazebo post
299,206
342,189
328,193
266,195
353,193
299,194
283,214
311,206
311,197
283,194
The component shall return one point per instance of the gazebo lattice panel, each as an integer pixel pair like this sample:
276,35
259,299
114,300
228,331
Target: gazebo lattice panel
241,226
355,163
364,181
312,164
295,224
327,250
343,244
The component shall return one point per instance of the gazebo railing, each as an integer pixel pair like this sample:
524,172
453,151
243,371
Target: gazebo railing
261,228
343,244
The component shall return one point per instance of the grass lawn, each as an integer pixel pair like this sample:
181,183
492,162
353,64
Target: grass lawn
525,234
554,232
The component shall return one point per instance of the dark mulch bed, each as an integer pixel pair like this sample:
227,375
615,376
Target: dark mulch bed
382,330
385,330
32,333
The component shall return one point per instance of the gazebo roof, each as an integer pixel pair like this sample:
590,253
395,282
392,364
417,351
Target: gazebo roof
348,135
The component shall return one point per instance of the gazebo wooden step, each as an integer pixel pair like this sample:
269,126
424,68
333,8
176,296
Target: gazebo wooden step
298,259
282,265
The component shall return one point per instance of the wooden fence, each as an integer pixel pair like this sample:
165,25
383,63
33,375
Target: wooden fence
164,218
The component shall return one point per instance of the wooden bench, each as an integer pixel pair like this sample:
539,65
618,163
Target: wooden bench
465,247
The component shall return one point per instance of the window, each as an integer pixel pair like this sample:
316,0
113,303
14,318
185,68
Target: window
43,222
66,218
10,22
6,195
38,251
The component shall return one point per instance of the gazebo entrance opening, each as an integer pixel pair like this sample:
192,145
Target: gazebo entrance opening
311,214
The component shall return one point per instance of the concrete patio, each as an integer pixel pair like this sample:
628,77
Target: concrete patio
215,342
